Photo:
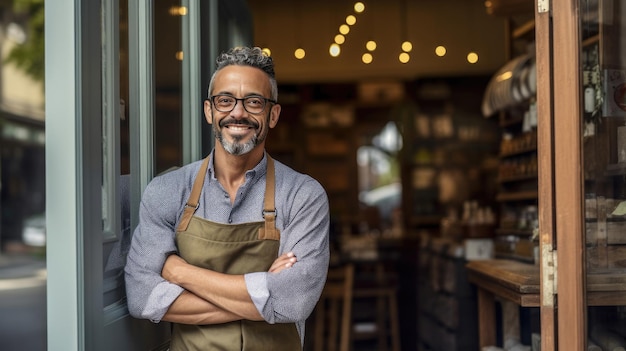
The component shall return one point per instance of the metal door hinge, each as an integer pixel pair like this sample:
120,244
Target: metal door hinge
549,275
543,6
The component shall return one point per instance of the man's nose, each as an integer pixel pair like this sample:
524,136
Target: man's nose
238,110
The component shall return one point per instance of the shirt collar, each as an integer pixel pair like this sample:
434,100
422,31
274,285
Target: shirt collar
252,174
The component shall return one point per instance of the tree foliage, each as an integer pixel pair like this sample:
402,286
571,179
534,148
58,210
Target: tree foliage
29,56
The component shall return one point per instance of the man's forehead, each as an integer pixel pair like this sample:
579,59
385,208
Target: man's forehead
241,75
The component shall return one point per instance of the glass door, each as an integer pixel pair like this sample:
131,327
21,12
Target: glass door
583,233
123,107
603,146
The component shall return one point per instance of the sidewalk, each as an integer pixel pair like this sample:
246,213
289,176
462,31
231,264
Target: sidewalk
20,265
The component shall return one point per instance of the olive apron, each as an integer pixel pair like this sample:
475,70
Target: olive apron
231,249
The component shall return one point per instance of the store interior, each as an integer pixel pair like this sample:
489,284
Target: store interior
411,156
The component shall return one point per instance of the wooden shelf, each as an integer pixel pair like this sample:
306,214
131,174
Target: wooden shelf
425,220
519,152
524,29
591,40
517,178
507,121
518,196
513,231
616,169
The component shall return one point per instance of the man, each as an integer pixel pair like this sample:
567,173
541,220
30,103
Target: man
232,249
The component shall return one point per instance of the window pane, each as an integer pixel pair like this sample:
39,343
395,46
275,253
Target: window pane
22,177
168,56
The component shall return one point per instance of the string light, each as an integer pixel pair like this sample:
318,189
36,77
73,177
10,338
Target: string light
404,57
359,7
370,45
367,58
344,29
178,11
299,53
407,46
472,57
440,51
334,50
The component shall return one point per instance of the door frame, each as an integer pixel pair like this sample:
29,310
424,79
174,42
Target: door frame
545,145
559,82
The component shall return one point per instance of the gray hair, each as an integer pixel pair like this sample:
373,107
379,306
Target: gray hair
247,56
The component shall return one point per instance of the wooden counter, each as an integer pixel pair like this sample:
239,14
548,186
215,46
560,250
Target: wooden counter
519,283
515,281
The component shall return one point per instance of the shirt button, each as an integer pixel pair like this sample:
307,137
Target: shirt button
226,195
230,220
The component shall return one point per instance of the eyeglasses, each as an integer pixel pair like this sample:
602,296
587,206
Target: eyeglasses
252,104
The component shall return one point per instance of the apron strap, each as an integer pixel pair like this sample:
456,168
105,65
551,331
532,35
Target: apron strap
194,197
269,207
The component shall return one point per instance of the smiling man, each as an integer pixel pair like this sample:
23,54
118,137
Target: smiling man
232,249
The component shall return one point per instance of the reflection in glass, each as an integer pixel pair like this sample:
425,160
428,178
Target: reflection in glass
603,126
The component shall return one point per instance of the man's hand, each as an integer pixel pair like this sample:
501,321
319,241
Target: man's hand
283,262
171,263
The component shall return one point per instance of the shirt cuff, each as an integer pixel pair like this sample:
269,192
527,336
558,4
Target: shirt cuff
159,301
256,283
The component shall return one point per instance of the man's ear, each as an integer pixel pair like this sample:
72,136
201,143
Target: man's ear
274,115
208,114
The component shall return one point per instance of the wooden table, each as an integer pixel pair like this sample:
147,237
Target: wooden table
519,282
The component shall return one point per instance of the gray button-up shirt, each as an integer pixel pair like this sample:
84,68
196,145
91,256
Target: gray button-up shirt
302,218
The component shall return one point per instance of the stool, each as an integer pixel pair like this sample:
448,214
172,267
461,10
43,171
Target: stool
337,292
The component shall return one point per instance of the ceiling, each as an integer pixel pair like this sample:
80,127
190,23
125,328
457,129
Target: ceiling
460,25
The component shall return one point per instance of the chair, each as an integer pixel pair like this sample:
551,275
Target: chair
379,290
337,293
335,327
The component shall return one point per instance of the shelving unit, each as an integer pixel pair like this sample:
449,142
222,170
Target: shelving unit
512,280
330,156
517,194
446,153
447,310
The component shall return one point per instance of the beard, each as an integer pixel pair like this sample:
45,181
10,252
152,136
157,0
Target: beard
236,146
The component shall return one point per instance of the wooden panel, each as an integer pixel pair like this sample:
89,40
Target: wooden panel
572,329
487,318
606,257
611,233
545,166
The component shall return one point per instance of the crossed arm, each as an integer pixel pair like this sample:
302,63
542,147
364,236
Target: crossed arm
211,297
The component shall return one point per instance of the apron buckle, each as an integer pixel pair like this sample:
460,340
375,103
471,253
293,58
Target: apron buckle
269,212
192,206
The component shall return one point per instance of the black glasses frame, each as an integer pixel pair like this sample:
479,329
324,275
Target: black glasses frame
266,100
